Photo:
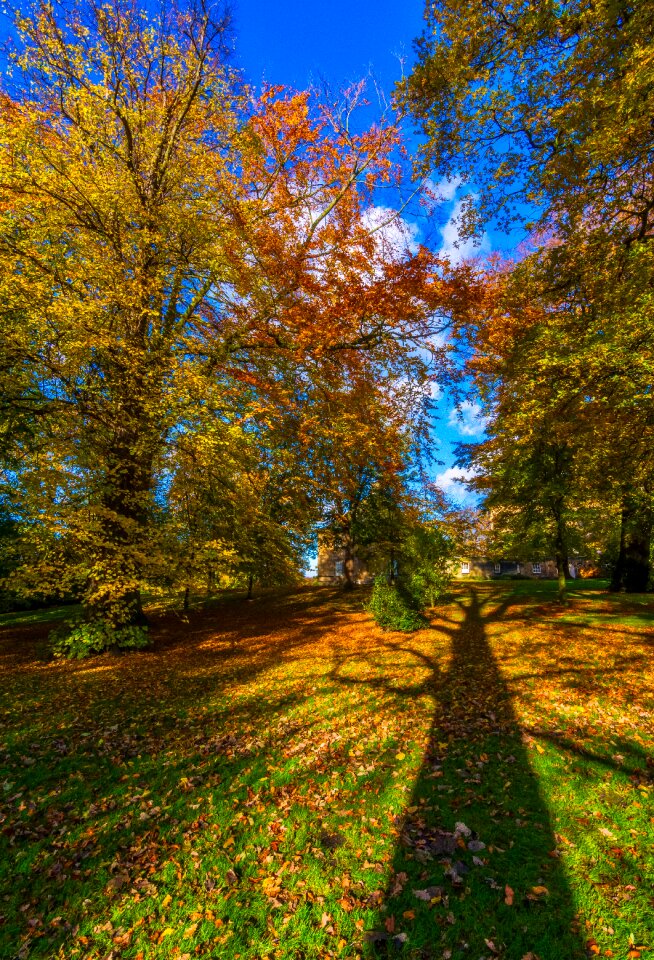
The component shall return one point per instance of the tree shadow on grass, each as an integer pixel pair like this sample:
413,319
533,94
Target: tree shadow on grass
475,873
111,768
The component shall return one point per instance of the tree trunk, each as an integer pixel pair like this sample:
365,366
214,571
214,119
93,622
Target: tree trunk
632,570
187,594
113,594
348,561
250,586
560,571
561,555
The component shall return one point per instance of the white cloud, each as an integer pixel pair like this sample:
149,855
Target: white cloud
468,419
454,248
445,190
451,482
395,236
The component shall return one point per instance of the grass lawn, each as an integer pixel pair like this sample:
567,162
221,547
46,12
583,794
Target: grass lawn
281,779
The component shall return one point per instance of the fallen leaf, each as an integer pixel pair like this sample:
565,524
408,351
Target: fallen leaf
508,896
429,894
539,891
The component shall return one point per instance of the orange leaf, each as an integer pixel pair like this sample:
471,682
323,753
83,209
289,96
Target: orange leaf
508,896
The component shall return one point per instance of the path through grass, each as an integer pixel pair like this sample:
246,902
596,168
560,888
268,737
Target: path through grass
281,779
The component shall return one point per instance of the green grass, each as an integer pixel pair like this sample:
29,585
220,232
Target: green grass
277,779
45,615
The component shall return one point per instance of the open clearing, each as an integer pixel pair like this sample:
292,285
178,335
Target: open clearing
282,779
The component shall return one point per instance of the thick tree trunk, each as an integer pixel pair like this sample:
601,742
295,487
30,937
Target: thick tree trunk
348,561
632,570
113,593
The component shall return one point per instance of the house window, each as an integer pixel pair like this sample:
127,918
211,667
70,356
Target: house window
339,568
498,567
465,566
535,568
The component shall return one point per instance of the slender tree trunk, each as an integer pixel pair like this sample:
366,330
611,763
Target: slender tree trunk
250,586
560,571
187,595
632,570
391,574
561,555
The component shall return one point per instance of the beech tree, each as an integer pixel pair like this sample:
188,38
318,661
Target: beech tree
174,250
543,103
545,110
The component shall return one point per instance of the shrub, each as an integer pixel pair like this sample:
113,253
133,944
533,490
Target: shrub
83,638
394,608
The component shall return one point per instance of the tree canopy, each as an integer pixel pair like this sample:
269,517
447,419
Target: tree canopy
545,111
202,314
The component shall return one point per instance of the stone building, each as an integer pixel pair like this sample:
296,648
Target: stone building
480,567
475,567
331,565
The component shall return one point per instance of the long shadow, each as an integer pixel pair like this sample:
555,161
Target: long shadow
104,761
475,873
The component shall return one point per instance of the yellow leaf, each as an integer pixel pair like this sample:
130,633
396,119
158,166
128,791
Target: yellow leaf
166,901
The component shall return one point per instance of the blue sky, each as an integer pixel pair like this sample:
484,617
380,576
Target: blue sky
298,43
294,42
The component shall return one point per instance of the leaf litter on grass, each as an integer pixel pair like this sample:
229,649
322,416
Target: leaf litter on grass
287,781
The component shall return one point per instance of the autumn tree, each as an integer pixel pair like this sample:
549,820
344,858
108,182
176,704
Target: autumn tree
174,250
545,104
544,110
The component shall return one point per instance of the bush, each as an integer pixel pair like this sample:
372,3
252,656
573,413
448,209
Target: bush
83,638
394,608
